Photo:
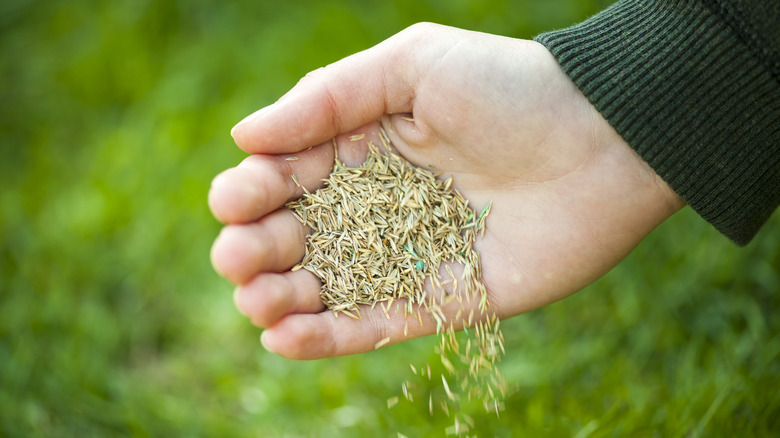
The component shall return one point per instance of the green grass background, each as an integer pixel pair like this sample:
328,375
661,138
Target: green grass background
114,117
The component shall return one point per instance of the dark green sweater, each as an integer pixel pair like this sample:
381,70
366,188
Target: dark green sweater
694,87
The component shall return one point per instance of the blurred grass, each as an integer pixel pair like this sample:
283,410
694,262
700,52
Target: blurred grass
114,116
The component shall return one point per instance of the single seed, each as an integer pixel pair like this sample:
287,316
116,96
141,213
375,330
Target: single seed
485,211
381,343
447,388
392,401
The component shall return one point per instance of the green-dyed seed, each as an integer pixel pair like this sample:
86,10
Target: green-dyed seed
411,251
484,210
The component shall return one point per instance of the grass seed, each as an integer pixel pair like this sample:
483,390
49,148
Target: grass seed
379,233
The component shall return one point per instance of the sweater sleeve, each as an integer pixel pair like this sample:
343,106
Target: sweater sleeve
694,88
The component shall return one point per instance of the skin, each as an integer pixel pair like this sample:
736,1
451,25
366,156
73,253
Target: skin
570,198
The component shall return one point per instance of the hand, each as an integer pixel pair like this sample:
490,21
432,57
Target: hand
570,198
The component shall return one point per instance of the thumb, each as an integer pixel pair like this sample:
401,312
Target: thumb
341,96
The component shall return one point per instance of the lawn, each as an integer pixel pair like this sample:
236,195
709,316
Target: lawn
115,116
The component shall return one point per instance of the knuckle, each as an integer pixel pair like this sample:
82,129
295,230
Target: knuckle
313,74
422,28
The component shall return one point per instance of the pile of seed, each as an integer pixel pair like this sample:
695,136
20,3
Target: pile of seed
379,232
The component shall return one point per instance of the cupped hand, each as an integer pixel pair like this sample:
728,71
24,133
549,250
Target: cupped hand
570,198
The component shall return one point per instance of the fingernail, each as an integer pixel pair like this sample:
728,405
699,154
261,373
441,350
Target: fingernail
250,118
264,342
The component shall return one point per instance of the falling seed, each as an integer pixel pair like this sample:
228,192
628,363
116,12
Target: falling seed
447,365
445,407
392,401
447,388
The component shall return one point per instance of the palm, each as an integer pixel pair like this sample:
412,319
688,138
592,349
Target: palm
518,133
570,199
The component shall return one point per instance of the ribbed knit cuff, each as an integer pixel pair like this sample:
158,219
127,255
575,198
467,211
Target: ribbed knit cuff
687,94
